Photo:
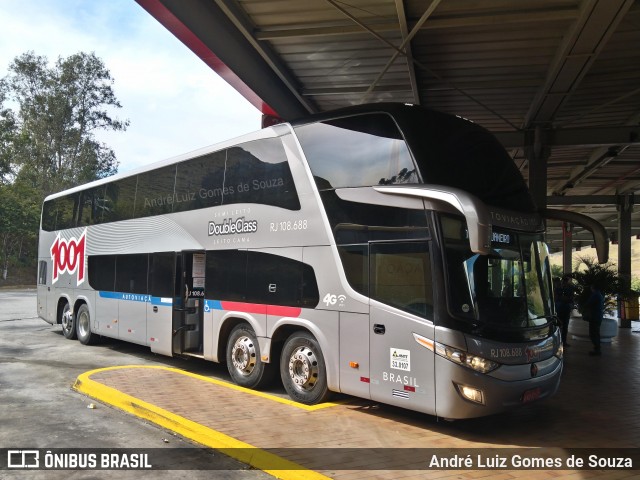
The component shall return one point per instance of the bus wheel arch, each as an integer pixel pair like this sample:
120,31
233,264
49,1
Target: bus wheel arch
66,318
303,369
83,324
244,360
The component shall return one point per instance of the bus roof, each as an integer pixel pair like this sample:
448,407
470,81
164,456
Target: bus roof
450,151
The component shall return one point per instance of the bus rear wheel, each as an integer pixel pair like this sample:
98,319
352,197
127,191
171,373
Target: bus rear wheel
303,371
83,326
243,359
68,322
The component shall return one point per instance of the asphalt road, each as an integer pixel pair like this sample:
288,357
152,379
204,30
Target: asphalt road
38,409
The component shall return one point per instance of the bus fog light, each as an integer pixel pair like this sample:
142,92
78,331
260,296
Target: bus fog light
470,393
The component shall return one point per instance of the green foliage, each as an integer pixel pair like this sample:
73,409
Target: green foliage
604,277
52,142
48,120
19,219
556,271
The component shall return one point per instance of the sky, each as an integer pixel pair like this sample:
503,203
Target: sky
174,102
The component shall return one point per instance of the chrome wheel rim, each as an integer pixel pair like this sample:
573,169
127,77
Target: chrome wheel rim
244,355
303,369
83,324
67,319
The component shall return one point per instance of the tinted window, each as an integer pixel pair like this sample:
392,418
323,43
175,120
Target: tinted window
258,172
42,272
357,151
355,260
102,272
131,273
257,277
154,195
400,276
120,200
92,204
226,275
199,182
276,280
354,222
255,172
49,216
60,213
161,272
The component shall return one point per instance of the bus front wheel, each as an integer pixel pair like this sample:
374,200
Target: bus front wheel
302,368
243,359
67,320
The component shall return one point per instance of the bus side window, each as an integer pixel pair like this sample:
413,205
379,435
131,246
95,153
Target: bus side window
42,272
131,273
161,273
226,274
102,272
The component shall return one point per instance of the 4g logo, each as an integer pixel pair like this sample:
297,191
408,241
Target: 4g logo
68,256
330,299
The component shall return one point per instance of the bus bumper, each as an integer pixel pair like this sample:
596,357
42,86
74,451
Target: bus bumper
464,393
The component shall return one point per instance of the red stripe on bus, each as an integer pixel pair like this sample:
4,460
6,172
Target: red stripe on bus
259,308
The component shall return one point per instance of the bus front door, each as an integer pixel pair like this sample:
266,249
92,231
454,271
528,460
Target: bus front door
189,305
400,314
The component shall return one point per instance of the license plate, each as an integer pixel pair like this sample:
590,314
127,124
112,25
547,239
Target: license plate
531,395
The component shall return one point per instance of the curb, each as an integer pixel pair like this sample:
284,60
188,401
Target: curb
241,451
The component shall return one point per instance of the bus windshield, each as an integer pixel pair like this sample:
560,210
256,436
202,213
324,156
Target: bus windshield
507,289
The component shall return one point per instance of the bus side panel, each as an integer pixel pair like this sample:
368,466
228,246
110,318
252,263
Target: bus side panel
132,320
402,370
354,354
46,300
106,317
159,324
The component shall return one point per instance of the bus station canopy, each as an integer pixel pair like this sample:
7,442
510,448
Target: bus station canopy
557,81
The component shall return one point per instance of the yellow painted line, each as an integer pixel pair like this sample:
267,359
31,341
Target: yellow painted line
233,386
241,451
268,396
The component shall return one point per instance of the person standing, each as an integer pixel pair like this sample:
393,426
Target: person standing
564,305
595,304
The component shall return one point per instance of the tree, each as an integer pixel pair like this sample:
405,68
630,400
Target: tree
19,220
7,135
59,110
48,120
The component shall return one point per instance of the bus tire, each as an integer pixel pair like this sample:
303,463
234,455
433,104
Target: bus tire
83,326
243,359
68,322
303,371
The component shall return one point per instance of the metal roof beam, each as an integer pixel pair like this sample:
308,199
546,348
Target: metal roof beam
444,21
242,23
404,48
596,136
585,200
402,18
597,21
208,32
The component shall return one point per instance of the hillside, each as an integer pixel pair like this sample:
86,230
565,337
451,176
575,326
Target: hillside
556,258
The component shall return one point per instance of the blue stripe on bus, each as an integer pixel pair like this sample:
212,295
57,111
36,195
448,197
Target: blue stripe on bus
212,305
137,297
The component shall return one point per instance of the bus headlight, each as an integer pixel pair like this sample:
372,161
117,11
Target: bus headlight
479,364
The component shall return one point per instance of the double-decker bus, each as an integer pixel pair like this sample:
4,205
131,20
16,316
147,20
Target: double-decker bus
386,251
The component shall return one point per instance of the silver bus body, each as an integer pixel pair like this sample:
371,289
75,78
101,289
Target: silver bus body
376,283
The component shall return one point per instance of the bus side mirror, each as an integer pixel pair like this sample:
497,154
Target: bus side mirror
600,237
